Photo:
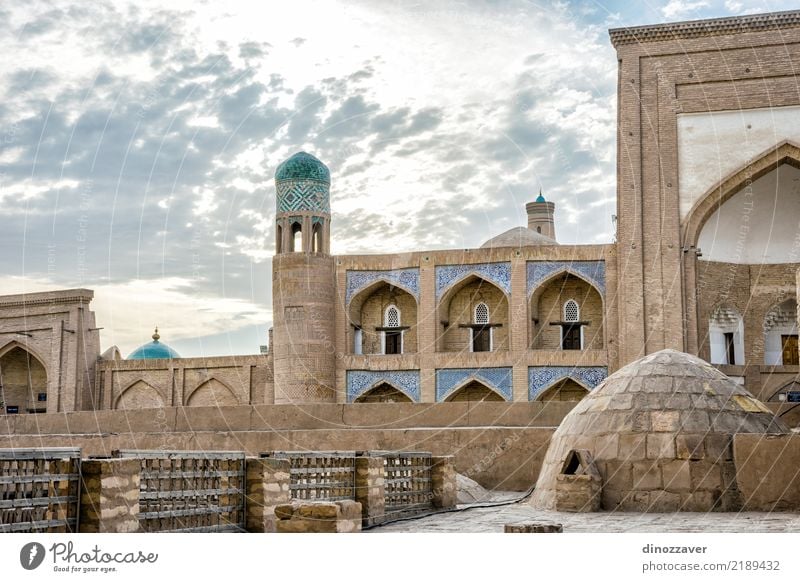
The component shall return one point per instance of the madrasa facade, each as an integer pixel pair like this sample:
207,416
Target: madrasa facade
704,261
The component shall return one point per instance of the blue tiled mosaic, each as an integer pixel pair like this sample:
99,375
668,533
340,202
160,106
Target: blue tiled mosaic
449,380
593,271
540,378
406,279
300,195
449,275
360,381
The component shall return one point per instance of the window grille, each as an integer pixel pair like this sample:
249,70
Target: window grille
571,311
481,313
392,316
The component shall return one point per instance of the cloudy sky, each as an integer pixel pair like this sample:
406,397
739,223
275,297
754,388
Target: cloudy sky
139,143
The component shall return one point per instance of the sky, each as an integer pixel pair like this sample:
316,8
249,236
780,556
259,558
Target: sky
139,143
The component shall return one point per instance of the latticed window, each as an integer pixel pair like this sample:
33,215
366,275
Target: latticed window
481,313
571,311
392,318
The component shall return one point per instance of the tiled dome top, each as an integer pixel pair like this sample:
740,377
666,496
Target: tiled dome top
154,350
303,166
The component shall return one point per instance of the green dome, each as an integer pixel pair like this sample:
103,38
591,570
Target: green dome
303,166
154,350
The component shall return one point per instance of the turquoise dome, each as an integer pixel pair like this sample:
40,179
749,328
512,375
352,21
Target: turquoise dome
154,350
540,198
303,166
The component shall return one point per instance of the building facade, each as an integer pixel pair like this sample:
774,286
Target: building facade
705,258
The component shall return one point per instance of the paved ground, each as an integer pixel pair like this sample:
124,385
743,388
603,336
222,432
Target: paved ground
492,520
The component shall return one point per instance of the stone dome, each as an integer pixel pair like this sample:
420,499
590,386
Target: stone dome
660,431
154,350
303,166
519,236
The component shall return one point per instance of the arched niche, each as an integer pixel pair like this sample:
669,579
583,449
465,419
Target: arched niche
370,332
780,334
23,381
139,395
385,393
474,391
551,308
457,312
565,390
726,336
212,392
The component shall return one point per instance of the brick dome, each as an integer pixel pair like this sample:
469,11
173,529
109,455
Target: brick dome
660,431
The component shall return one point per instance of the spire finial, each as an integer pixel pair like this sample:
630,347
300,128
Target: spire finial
540,197
156,336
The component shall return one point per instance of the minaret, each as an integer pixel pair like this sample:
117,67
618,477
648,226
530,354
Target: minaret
540,216
303,288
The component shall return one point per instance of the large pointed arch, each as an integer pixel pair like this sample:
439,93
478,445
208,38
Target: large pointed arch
379,386
221,394
785,152
444,315
25,346
544,394
151,396
490,391
539,286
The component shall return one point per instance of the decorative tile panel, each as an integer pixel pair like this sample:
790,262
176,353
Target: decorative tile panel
592,271
448,380
540,378
360,381
300,195
449,275
406,279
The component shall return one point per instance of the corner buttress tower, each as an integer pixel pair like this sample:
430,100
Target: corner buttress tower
303,290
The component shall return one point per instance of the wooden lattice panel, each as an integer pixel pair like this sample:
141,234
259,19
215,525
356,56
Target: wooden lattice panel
320,476
186,491
39,490
407,481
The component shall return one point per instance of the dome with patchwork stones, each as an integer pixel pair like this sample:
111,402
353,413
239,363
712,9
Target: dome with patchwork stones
660,434
303,166
154,350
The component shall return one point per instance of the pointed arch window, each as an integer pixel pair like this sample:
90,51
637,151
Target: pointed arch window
571,327
392,333
481,330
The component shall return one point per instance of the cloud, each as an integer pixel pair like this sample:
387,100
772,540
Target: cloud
681,8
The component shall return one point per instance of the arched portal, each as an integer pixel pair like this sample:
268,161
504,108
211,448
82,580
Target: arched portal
567,390
729,237
383,393
212,392
23,382
473,317
383,320
726,336
139,395
474,391
566,314
780,335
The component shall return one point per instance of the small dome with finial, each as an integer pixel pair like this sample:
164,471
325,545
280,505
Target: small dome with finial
540,198
154,350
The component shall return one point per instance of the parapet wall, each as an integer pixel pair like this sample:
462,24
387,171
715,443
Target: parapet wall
499,444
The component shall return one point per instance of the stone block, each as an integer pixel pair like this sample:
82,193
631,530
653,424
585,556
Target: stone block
618,475
689,446
665,420
719,447
694,421
705,476
677,475
664,502
443,482
632,447
110,496
646,475
660,445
